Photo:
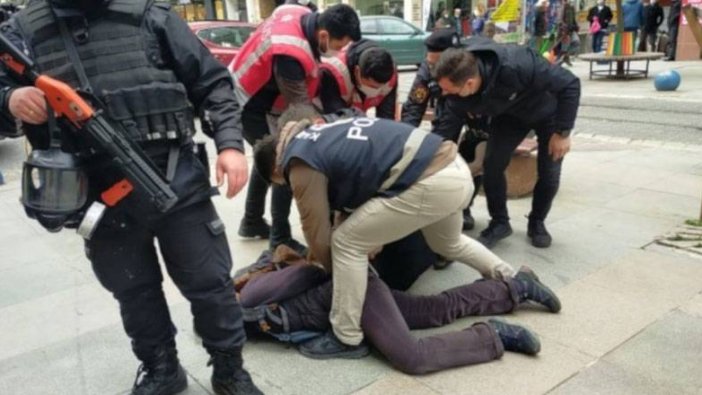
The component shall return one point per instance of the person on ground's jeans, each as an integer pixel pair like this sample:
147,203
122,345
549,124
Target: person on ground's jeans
298,298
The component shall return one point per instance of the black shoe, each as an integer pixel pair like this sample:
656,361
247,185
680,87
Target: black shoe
468,220
441,263
530,288
294,244
229,376
538,234
328,346
161,376
495,232
516,338
252,229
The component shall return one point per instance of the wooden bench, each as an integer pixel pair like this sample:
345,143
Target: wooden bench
623,69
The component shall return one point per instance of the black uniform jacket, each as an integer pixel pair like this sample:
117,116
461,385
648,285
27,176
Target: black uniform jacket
518,83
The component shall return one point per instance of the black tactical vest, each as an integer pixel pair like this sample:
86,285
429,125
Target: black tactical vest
123,63
363,158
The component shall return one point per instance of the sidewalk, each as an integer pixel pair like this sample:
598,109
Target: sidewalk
631,320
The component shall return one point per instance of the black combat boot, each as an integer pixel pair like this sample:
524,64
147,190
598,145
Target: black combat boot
468,220
229,376
495,232
254,228
538,234
516,338
530,288
160,375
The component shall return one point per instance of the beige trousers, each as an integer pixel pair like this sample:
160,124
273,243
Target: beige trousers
433,205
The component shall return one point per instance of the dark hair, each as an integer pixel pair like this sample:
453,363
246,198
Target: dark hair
456,64
376,63
341,21
265,156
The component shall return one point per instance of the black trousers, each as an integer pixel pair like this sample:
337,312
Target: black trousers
255,128
194,247
505,135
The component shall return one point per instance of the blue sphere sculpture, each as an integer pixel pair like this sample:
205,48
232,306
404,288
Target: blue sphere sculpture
667,81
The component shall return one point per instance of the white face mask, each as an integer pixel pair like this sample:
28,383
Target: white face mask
371,92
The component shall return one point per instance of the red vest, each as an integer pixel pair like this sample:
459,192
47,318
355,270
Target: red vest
338,67
280,34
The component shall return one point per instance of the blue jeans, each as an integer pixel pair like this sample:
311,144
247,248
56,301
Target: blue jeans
597,40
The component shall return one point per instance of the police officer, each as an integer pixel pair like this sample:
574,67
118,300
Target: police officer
393,179
142,61
520,91
361,76
425,90
278,66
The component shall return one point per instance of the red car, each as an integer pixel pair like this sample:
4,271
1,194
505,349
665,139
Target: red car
223,38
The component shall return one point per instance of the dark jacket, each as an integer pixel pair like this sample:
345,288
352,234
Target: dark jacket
519,83
653,17
208,83
424,89
604,15
209,88
540,23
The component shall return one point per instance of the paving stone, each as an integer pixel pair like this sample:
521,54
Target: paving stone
604,378
514,373
660,204
667,352
396,384
693,306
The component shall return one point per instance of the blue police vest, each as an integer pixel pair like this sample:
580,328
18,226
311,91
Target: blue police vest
363,157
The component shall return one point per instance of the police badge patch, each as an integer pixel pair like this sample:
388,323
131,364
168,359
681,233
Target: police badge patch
420,94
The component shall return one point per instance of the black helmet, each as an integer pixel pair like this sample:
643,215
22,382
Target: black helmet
54,188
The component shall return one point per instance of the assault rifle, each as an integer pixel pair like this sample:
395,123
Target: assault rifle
138,169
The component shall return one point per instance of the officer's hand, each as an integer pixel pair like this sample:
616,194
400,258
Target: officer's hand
232,163
558,146
28,104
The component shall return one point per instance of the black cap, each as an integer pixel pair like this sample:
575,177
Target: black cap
442,39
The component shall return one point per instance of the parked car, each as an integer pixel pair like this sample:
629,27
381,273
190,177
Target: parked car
223,38
403,40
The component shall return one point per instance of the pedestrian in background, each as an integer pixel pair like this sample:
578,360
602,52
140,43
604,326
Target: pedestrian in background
633,16
599,17
653,17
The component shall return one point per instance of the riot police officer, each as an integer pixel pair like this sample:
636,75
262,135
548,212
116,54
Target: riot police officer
142,62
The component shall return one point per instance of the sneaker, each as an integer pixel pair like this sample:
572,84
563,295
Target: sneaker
229,376
468,220
441,263
530,288
329,346
162,376
254,229
516,338
294,244
538,234
495,232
